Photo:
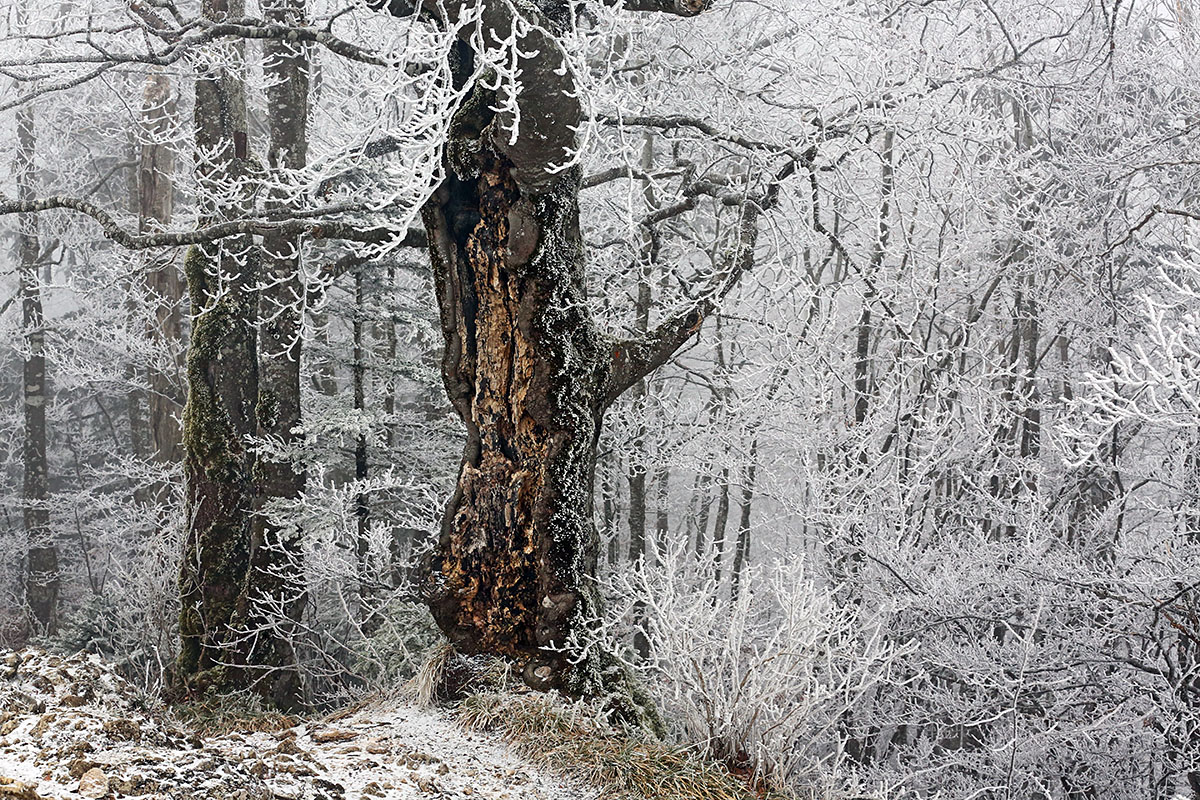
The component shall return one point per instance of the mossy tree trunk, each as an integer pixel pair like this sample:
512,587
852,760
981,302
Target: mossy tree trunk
222,377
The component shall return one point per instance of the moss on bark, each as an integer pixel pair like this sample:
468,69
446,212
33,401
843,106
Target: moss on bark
221,374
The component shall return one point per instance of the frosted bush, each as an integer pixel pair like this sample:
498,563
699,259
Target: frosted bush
763,680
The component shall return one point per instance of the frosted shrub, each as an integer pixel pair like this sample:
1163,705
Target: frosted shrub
360,627
762,681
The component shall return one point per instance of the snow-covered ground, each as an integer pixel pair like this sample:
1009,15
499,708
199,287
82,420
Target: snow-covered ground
71,728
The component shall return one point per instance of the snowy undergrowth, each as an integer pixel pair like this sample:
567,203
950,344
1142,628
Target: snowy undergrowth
576,739
73,728
762,680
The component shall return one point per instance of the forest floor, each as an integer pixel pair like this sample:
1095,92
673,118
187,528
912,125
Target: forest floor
71,727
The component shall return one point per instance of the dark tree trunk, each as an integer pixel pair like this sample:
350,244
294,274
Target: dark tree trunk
389,381
527,370
274,593
636,479
41,565
527,373
720,523
608,491
362,509
662,517
641,325
222,375
741,554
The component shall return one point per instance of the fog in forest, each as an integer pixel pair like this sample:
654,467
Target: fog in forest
812,387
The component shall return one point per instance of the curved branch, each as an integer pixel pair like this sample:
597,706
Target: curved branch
633,359
298,223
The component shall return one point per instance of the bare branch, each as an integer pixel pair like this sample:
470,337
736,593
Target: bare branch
678,121
633,359
296,222
680,8
1145,220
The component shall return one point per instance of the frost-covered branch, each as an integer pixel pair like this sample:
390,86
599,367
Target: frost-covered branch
306,222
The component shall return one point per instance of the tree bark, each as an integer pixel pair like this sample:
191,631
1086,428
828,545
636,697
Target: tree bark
741,554
662,518
719,525
222,374
528,372
162,283
41,565
273,597
530,375
358,373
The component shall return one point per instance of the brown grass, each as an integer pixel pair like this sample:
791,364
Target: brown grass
575,740
217,715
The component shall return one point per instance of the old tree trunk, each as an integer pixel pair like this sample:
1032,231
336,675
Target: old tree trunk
529,373
237,584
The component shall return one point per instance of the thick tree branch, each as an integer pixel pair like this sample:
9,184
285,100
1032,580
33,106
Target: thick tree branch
633,359
680,8
294,223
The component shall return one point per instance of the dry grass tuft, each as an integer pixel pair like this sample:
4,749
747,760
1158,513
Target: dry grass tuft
575,739
447,676
423,686
216,715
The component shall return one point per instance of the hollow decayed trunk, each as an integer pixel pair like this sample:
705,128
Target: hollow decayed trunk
526,371
513,571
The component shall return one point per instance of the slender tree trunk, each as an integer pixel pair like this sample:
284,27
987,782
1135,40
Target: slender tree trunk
697,504
137,400
154,411
636,479
322,375
41,567
608,493
848,561
389,383
162,283
637,467
720,523
358,372
662,514
702,488
741,554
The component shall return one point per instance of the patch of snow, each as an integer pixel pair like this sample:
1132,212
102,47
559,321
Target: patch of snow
71,728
